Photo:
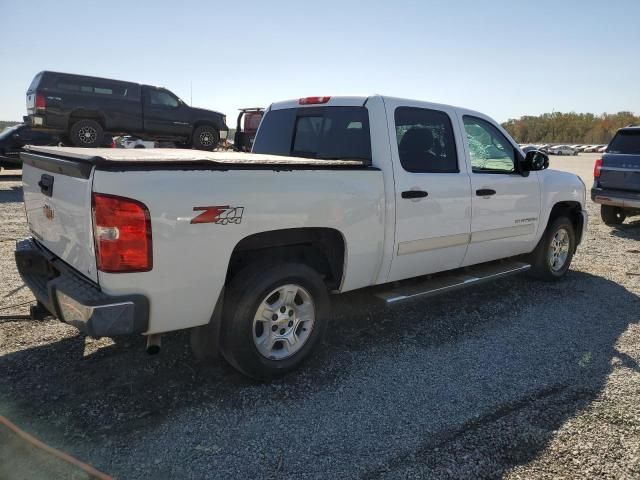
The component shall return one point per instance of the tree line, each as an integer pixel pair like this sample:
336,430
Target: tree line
558,127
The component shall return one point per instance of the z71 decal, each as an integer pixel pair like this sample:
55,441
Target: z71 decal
221,214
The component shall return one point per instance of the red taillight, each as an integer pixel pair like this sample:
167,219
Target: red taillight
596,168
122,230
313,100
41,102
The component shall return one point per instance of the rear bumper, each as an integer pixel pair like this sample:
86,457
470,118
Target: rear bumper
75,300
616,198
41,122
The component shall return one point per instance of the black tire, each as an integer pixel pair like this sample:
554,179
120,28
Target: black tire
86,133
612,215
139,146
205,137
541,257
246,293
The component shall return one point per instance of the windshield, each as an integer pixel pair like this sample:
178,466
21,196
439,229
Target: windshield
625,142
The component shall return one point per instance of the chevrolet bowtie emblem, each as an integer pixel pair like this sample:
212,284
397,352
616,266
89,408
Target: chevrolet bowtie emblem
48,212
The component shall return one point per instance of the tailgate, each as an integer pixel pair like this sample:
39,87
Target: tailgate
620,172
31,103
57,198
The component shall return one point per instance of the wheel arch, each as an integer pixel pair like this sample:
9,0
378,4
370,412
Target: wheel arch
323,249
573,211
200,123
82,114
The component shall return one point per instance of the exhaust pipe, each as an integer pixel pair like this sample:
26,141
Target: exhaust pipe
153,344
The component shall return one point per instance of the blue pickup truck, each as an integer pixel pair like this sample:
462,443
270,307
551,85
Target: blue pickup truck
616,185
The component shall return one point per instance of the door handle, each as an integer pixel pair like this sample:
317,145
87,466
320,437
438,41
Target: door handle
485,192
414,194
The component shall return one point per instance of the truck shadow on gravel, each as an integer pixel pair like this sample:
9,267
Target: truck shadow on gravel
478,380
630,230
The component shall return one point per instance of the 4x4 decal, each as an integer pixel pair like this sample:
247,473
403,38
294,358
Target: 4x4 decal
221,214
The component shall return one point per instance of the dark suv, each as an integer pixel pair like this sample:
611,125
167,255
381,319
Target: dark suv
82,109
616,175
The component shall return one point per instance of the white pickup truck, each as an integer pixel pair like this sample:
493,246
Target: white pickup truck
340,193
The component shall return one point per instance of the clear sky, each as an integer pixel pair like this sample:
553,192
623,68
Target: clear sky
505,58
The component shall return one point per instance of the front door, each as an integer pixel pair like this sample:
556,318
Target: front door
433,193
165,114
505,204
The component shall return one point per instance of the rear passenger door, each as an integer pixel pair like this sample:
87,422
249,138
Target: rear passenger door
433,192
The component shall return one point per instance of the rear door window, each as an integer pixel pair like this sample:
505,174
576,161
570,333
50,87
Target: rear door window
330,133
626,142
425,141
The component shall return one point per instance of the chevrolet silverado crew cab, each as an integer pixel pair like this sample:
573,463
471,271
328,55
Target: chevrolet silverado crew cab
616,184
82,109
340,193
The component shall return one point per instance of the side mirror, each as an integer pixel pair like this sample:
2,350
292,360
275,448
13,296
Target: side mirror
535,160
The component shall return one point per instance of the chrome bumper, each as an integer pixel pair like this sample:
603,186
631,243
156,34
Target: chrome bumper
615,198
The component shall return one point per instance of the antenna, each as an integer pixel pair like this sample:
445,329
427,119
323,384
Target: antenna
191,92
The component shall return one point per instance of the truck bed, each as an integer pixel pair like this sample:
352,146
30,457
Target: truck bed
163,158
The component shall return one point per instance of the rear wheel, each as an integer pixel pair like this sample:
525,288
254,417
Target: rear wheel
86,133
205,137
552,257
612,215
275,317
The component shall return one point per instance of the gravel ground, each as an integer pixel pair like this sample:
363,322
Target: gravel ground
514,379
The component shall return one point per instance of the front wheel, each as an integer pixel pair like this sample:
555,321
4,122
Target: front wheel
205,137
552,257
275,317
612,215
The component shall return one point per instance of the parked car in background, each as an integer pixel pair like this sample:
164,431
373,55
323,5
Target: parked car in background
528,148
544,148
12,139
133,142
561,150
592,149
602,149
616,184
339,193
82,109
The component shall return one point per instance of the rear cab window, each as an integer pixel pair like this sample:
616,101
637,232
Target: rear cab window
626,142
328,133
35,82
